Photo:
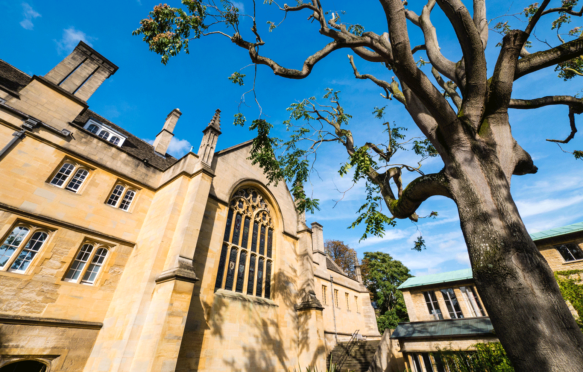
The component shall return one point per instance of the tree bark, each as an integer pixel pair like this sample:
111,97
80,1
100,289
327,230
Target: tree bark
515,282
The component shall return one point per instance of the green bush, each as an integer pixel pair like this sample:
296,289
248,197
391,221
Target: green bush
490,357
572,290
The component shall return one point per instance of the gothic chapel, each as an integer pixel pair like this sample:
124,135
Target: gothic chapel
116,256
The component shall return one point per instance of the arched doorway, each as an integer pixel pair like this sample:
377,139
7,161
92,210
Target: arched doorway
25,366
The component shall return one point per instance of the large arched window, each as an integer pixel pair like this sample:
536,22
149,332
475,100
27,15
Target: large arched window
246,260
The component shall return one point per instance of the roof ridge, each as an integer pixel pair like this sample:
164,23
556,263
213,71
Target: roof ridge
16,68
557,231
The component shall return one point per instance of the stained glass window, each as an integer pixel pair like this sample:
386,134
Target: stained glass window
231,269
241,272
237,230
262,240
268,279
259,288
245,264
254,239
245,242
222,261
269,242
228,227
251,278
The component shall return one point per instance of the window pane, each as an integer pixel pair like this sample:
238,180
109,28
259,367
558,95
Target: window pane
29,251
77,180
254,239
262,240
452,304
114,140
12,243
79,263
432,305
438,363
245,240
269,242
324,296
96,264
336,298
62,174
416,363
570,252
259,288
474,300
356,303
127,200
115,195
427,362
103,134
222,261
251,277
241,272
268,279
237,230
93,128
231,269
228,227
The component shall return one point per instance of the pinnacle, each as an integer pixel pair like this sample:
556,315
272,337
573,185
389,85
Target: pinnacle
216,120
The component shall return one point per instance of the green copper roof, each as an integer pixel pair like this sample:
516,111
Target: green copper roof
558,231
445,328
451,276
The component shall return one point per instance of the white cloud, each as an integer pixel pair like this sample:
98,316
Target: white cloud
532,208
70,39
390,234
29,15
239,5
177,148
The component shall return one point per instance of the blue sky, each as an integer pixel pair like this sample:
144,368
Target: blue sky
38,34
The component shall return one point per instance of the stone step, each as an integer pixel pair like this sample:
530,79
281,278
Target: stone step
353,357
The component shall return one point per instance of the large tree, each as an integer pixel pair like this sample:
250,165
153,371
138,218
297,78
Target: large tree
382,275
467,126
342,255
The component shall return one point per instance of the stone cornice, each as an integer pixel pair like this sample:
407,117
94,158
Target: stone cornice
48,322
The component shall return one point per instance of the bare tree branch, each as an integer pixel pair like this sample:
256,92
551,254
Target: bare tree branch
545,101
539,60
481,21
536,17
450,90
565,10
572,113
390,88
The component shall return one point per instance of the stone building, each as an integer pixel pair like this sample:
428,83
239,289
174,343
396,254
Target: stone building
116,256
446,312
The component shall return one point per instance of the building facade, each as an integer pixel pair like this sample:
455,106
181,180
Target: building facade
446,312
116,256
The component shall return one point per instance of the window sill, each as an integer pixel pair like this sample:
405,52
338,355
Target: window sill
245,298
572,262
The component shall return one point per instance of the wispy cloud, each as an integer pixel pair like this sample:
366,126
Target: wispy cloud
71,38
390,235
529,208
177,147
29,15
239,5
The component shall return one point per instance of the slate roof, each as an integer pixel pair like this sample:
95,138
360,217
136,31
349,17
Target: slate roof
450,276
12,78
331,265
558,231
445,328
132,145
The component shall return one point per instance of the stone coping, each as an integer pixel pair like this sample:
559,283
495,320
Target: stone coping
48,322
244,298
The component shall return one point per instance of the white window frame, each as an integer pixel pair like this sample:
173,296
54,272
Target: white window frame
71,176
24,243
88,263
105,128
126,189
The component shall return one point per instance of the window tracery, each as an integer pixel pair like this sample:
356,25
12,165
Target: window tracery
246,259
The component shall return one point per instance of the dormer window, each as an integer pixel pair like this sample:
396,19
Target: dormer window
106,132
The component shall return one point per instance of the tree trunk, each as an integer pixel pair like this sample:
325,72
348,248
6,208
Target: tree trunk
515,282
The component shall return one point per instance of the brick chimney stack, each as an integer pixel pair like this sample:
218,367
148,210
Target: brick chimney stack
165,136
82,71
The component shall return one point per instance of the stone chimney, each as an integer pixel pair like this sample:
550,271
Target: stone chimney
165,136
357,270
208,144
318,244
82,71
